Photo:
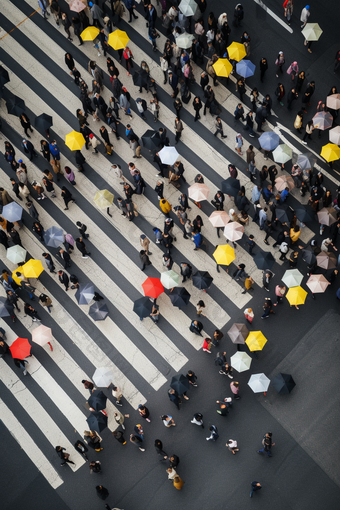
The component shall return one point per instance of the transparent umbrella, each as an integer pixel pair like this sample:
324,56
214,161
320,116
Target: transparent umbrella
184,40
292,278
188,7
282,154
333,101
169,279
12,212
322,120
168,155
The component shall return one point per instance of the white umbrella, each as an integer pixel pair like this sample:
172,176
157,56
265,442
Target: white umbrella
334,135
103,377
282,154
233,231
184,40
198,192
42,336
259,383
292,278
168,155
12,212
169,279
16,254
241,361
188,7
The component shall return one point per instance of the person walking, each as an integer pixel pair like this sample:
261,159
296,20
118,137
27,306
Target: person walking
168,420
280,291
249,315
178,482
66,195
64,279
88,385
178,128
159,449
263,67
267,444
144,412
248,284
21,363
197,105
82,248
63,455
198,420
26,124
29,149
255,486
305,13
239,143
207,345
120,418
93,440
219,128
46,301
65,257
95,466
174,397
213,433
144,259
137,440
102,492
232,446
196,327
119,436
81,448
117,394
279,62
235,388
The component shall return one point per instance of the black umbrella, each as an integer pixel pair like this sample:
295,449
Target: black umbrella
305,215
4,76
283,383
15,105
231,186
97,400
308,256
43,121
284,213
3,309
143,307
179,297
97,421
85,294
140,78
98,312
151,139
264,260
180,383
202,280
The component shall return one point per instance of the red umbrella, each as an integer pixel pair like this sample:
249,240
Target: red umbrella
20,348
152,287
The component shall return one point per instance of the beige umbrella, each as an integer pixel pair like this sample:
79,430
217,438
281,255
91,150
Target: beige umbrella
327,216
233,231
284,182
317,283
198,192
326,260
103,199
240,361
333,101
219,218
334,135
42,336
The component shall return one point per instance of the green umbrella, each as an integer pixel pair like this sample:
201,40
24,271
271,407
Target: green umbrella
312,32
282,153
169,279
292,278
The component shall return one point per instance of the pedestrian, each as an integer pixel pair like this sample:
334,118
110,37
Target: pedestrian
46,301
178,482
263,67
280,92
207,345
137,440
178,128
64,456
174,397
29,149
255,486
93,440
267,276
168,420
197,105
82,248
309,128
117,394
196,327
95,466
239,112
65,257
145,242
267,444
21,363
159,449
198,420
248,284
219,128
235,388
29,310
66,195
305,13
26,124
213,433
88,385
239,143
144,259
64,279
102,492
280,291
171,473
249,315
199,308
279,62
81,448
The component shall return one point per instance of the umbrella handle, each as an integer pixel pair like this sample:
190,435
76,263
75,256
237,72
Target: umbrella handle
49,343
264,393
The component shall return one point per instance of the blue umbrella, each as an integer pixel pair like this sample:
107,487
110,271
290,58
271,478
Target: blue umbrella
12,212
269,141
54,237
245,68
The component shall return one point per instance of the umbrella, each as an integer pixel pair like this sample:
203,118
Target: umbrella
15,277
198,192
15,105
188,7
103,377
296,296
322,120
305,215
326,260
233,231
223,67
77,6
238,333
306,161
179,297
259,383
308,256
283,383
118,39
169,279
256,341
264,260
32,269
236,51
20,348
334,135
43,121
98,312
85,293
142,307
317,283
284,213
168,155
3,310
327,216
245,68
16,254
180,384
103,199
184,40
152,287
330,152
282,153
12,212
54,237
140,78
202,280
4,76
240,361
312,32
224,255
231,186
97,400
269,140
284,182
90,33
151,139
97,421
333,101
42,335
74,141
292,278
219,218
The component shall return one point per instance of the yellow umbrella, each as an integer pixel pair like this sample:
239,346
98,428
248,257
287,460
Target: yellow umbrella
224,255
74,141
118,39
223,67
103,199
89,34
296,296
32,269
330,152
14,276
256,341
236,51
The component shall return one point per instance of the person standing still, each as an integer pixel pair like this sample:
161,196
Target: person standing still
179,128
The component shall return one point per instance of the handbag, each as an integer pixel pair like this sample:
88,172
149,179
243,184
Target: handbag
289,70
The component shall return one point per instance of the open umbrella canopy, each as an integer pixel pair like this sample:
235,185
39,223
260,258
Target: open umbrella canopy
233,231
85,293
168,155
327,216
322,120
74,141
292,278
3,310
308,256
259,383
180,384
312,32
326,260
269,140
219,218
256,341
305,161
333,101
224,255
97,400
54,237
179,297
198,192
98,312
240,361
20,348
334,135
283,383
77,6
317,283
264,260
223,67
151,139
15,105
236,51
282,154
43,121
4,76
140,78
12,212
15,277
169,279
142,307
42,335
103,377
184,40
238,333
97,421
330,152
305,215
16,254
296,296
103,199
231,186
284,181
152,287
245,68
202,280
284,213
32,269
118,39
90,33
188,7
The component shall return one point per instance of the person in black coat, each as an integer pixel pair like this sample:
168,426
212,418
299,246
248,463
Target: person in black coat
144,259
292,95
186,271
82,248
39,230
263,67
15,188
66,195
49,262
4,239
64,456
218,201
105,135
15,236
174,397
183,202
69,61
29,148
80,160
197,105
196,327
102,492
159,188
81,448
66,257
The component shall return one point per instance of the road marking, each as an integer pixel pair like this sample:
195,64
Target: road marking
273,15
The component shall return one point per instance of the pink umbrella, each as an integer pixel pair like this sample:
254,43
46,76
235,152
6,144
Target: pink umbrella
326,260
219,218
284,182
317,283
233,231
77,6
333,101
42,336
322,120
198,192
327,216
